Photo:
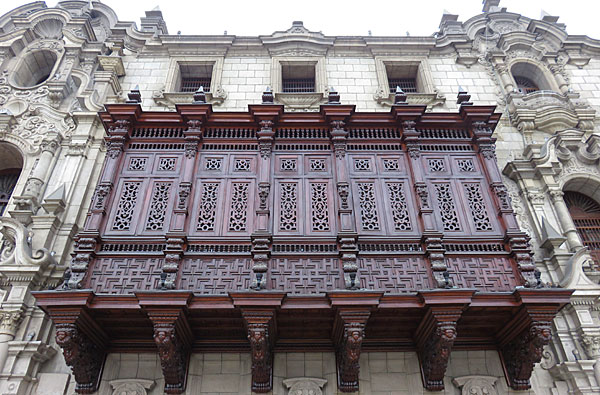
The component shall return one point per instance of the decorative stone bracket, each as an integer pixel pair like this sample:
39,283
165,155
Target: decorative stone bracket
260,325
435,338
349,331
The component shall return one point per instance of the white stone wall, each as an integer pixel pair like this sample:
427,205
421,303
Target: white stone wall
381,373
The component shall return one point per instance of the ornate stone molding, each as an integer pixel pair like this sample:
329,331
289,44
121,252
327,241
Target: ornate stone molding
349,330
10,320
260,327
171,99
476,385
305,386
437,333
300,101
131,386
431,100
591,345
17,251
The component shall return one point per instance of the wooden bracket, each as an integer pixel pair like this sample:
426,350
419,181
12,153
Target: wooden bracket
349,331
260,325
84,346
173,337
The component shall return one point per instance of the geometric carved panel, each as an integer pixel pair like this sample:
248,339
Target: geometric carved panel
486,274
393,275
305,275
216,275
125,275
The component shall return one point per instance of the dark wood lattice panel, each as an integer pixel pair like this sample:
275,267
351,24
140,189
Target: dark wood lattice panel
394,275
215,276
305,276
125,275
487,274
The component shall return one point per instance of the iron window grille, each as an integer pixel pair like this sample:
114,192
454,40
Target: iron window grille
191,84
408,85
298,85
525,85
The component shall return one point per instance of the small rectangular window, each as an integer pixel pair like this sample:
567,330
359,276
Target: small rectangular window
298,78
404,76
195,76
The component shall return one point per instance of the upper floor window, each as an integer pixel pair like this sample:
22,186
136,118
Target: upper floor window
10,169
405,76
585,213
194,76
298,78
529,78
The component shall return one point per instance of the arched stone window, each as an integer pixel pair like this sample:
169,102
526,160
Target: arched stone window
35,68
585,213
10,169
529,78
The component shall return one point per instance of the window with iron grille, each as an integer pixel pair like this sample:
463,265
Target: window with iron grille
298,78
408,85
403,75
193,77
585,213
525,85
8,180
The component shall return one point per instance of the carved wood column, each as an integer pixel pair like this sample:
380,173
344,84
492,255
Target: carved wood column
266,116
260,326
85,247
522,340
172,335
479,118
349,332
337,117
436,333
84,346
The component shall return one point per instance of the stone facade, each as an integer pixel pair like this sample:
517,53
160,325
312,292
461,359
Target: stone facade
60,65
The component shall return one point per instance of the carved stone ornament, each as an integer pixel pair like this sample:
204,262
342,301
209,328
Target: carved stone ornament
305,386
260,330
131,386
10,320
85,358
170,99
476,385
523,352
39,122
16,248
591,345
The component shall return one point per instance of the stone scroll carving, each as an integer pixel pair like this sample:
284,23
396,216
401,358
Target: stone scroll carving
16,248
476,385
131,386
305,386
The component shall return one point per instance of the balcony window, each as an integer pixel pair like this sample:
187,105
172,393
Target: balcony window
193,77
298,78
525,85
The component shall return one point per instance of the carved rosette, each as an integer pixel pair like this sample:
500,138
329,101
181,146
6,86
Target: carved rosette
265,138
350,329
339,138
435,344
523,352
260,332
85,358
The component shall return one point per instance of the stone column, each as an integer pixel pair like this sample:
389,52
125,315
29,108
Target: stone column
505,77
35,182
9,322
564,218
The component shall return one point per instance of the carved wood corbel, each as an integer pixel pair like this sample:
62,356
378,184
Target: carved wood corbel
435,338
173,337
84,347
349,331
260,325
522,343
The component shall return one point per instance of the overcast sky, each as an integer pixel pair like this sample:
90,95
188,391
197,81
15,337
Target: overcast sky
337,17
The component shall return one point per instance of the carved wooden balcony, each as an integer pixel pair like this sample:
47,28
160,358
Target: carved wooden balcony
267,231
